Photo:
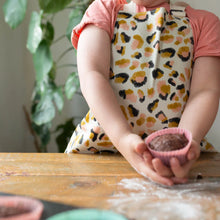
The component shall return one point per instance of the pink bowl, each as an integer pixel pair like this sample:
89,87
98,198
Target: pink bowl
165,156
20,208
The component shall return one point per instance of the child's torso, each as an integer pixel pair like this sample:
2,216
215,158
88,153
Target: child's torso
151,67
152,56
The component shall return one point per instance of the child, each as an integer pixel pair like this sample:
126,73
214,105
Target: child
144,66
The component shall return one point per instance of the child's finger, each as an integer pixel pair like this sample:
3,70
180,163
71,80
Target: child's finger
178,170
141,148
182,171
146,171
177,180
161,169
153,176
148,159
194,151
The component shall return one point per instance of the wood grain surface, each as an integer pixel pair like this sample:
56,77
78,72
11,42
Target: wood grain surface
77,179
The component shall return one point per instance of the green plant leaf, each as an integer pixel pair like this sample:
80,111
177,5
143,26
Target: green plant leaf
43,131
71,85
44,110
53,6
14,12
66,131
58,98
35,32
43,62
48,32
75,17
36,96
52,73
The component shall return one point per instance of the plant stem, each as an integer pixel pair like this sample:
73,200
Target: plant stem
52,18
59,38
63,54
79,93
27,116
66,65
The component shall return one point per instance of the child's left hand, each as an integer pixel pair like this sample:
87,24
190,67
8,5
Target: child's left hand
176,172
183,171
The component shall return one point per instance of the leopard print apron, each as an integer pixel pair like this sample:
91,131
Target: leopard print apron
151,68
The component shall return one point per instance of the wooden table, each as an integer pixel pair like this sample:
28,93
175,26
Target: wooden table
109,182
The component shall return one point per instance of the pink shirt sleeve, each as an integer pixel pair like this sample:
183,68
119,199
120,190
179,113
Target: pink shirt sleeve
101,13
206,31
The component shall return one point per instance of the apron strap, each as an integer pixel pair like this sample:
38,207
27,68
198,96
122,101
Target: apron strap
178,9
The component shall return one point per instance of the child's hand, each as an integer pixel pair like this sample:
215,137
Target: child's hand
176,172
135,151
182,171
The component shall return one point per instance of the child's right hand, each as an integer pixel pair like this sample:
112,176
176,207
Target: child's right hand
135,151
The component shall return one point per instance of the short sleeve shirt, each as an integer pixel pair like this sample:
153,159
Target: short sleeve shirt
205,25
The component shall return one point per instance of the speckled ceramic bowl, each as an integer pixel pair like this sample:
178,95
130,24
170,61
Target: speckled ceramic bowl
20,208
165,156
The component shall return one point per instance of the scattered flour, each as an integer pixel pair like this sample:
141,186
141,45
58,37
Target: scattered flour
140,199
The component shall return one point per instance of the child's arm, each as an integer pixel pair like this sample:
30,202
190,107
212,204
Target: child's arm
198,116
93,59
201,108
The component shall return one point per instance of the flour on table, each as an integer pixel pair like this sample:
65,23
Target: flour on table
140,199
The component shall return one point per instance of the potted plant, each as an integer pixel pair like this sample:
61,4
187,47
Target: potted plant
47,95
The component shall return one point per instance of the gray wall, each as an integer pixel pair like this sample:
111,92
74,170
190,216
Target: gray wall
17,81
17,77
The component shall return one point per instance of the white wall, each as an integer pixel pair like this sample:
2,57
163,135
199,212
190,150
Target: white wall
17,77
14,87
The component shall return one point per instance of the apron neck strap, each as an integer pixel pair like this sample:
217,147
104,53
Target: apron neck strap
178,9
